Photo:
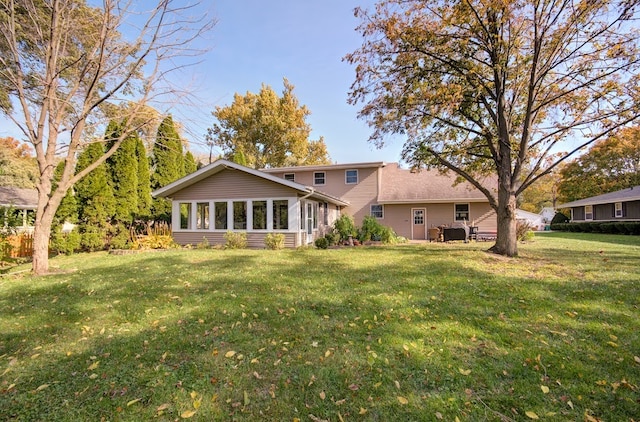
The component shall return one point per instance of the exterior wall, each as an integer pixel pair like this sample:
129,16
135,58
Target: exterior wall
606,212
232,184
360,195
254,240
399,217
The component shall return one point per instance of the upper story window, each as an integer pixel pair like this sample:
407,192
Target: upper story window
377,210
588,212
618,207
461,212
290,177
351,177
319,178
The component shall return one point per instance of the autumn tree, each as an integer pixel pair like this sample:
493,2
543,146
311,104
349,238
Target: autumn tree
66,69
17,165
267,130
610,164
495,88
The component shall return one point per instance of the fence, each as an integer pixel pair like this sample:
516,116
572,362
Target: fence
18,246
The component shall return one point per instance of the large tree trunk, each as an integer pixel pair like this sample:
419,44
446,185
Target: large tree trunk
41,234
506,242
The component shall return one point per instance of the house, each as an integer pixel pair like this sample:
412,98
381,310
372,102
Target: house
536,221
22,202
303,202
622,205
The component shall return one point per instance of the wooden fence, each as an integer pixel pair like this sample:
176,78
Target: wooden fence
18,246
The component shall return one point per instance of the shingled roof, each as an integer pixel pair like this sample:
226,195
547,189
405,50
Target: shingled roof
18,197
624,195
427,186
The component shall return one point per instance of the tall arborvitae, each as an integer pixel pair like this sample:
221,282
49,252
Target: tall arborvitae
168,165
144,180
123,170
190,164
94,195
68,209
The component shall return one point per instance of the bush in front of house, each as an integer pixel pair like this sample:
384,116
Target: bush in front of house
345,227
204,243
332,238
524,231
66,243
92,239
559,218
235,240
608,227
321,243
274,241
371,229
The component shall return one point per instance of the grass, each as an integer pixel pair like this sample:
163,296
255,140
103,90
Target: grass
413,332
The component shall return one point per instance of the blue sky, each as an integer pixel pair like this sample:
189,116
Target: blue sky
257,41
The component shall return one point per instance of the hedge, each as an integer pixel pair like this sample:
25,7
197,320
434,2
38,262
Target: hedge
610,227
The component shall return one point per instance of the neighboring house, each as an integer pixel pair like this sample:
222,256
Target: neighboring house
536,221
622,205
22,202
547,214
303,202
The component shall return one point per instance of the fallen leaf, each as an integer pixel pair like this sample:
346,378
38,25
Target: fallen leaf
134,401
464,371
637,359
229,354
257,375
42,387
439,415
246,398
162,407
93,366
403,400
323,395
362,411
531,415
193,394
353,387
544,389
316,419
187,414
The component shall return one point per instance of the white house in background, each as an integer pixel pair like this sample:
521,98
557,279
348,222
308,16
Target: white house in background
22,202
547,214
537,221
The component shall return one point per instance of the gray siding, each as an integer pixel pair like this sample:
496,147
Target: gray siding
254,240
606,212
230,184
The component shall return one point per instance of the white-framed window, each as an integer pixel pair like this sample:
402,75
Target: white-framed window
319,178
461,212
618,208
280,214
220,215
351,177
259,215
240,215
185,215
418,216
290,177
377,210
202,216
588,212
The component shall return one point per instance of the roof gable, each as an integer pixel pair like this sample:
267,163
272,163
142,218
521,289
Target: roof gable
221,165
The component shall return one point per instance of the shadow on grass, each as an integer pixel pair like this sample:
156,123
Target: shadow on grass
122,337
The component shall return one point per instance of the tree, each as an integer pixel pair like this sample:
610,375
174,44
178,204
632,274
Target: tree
66,70
167,164
495,88
123,173
17,166
144,180
611,164
94,194
190,164
267,130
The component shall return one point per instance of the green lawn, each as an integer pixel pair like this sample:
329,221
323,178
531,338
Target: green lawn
403,333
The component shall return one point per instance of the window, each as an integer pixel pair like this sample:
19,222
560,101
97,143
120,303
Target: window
618,207
462,212
202,215
319,178
220,209
418,217
377,211
240,215
290,177
259,215
588,212
281,214
351,177
315,215
325,214
185,216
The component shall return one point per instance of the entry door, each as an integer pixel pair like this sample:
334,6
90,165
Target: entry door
418,226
